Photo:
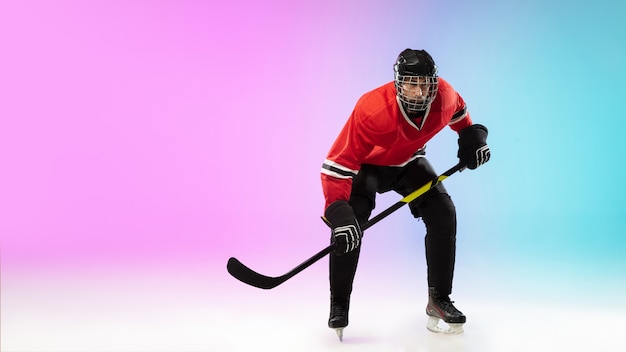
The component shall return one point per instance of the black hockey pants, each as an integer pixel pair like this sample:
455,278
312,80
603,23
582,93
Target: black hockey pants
435,208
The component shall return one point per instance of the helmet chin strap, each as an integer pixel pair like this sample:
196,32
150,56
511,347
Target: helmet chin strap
413,114
416,114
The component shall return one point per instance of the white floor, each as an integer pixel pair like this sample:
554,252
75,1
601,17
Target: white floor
106,313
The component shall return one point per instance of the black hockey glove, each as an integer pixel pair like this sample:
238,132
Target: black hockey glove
346,233
473,148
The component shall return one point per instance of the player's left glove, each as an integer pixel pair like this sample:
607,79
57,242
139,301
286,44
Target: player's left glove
473,148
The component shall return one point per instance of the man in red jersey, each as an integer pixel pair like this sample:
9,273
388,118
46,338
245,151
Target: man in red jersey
382,148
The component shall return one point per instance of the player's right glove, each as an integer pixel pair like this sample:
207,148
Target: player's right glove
473,148
345,230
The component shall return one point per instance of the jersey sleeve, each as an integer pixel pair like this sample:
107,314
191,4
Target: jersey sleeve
460,117
343,162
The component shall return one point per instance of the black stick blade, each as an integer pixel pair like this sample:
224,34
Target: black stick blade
246,275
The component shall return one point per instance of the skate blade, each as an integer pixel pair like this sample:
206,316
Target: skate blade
453,328
339,332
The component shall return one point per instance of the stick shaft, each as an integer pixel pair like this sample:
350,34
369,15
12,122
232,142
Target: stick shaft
411,197
244,274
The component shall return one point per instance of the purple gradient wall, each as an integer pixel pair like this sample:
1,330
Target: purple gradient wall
156,131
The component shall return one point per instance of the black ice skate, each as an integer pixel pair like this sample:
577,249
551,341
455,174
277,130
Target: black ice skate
338,315
440,307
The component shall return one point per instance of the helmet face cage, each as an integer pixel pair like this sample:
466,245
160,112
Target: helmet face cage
416,93
415,80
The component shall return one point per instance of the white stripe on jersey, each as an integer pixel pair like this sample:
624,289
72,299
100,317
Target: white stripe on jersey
331,168
415,156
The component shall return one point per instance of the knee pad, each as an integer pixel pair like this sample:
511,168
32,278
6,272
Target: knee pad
362,207
439,215
435,198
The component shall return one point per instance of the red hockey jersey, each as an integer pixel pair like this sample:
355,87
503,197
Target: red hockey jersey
378,132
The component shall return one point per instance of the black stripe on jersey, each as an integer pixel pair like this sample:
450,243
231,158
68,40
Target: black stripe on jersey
338,170
459,113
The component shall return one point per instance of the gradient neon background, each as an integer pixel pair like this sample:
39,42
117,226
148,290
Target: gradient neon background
143,143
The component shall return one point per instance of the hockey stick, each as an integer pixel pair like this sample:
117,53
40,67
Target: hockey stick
244,274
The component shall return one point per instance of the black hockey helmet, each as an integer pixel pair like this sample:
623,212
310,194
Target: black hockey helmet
415,77
415,63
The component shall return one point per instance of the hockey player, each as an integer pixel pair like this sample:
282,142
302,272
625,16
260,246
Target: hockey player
382,148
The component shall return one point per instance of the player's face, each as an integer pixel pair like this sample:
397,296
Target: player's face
416,89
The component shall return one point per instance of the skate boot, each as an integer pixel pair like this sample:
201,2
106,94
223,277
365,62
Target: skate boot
338,318
440,307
